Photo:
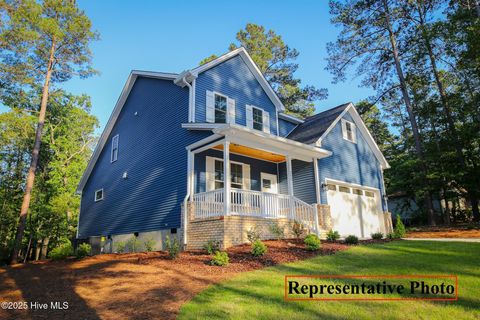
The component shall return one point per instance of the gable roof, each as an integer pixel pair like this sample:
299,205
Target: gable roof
251,66
315,128
113,117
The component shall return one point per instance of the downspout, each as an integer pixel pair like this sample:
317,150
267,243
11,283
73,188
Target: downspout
187,196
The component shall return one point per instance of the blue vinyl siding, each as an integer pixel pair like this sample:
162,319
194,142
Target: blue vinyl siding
303,180
350,162
152,152
233,79
285,127
256,167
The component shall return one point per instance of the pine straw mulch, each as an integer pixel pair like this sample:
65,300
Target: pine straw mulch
133,286
454,231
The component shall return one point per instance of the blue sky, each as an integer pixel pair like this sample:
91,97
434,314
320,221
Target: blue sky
172,36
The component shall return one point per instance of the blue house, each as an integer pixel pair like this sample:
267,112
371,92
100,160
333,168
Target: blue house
210,153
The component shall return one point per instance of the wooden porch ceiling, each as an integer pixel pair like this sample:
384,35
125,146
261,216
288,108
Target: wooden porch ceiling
253,153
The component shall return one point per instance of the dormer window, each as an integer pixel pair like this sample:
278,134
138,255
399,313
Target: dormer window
220,109
348,131
258,119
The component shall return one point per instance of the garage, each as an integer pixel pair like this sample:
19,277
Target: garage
355,209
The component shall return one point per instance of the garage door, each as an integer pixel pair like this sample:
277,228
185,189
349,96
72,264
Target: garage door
355,210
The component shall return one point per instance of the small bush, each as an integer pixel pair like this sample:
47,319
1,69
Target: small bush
399,231
253,234
390,235
258,248
173,247
312,242
83,250
298,229
61,252
120,246
132,244
212,246
278,232
220,259
351,239
377,236
149,244
333,235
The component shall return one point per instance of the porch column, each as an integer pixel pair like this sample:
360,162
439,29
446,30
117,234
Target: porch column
226,176
290,185
317,179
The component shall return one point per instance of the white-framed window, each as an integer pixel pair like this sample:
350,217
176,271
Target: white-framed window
98,195
349,131
220,108
257,118
114,153
239,174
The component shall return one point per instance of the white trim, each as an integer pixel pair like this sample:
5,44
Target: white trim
113,118
203,141
226,176
117,136
290,118
350,185
253,68
201,125
95,195
192,104
353,129
363,130
317,180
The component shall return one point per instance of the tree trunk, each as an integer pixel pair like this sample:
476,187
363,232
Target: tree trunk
34,161
411,115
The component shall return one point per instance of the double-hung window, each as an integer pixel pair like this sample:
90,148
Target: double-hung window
220,109
257,117
348,131
114,153
236,175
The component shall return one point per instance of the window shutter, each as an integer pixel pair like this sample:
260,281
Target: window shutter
210,106
231,110
249,116
266,121
344,129
354,133
246,177
210,173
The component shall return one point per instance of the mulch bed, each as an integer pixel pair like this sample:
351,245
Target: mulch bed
133,286
458,231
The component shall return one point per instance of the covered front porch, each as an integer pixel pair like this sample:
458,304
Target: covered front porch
243,172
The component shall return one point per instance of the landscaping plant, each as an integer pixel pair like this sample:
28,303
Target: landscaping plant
132,244
333,235
253,234
61,252
377,236
277,230
173,247
399,230
149,244
83,250
351,239
258,248
120,247
390,236
298,229
312,242
220,259
212,246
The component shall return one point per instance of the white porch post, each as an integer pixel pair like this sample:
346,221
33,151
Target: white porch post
290,184
317,179
226,176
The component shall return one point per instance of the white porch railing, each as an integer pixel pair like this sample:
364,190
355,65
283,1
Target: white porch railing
254,203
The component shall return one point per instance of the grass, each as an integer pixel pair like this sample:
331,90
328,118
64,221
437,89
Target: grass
259,294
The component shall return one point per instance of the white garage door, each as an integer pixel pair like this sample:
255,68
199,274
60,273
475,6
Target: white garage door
355,210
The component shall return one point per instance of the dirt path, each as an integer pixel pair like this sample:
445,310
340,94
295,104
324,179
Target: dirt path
131,286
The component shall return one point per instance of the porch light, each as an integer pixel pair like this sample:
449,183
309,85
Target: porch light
324,186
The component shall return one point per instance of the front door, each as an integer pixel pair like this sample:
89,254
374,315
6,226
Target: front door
269,182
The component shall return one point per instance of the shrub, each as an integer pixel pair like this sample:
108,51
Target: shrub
258,248
377,236
220,259
298,229
253,234
212,246
61,252
149,244
278,232
312,242
173,247
390,235
399,231
83,250
351,239
132,244
333,235
120,246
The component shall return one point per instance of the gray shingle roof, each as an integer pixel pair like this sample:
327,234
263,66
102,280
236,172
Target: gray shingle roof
315,126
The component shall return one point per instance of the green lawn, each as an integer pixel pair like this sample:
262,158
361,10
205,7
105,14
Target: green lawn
259,294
